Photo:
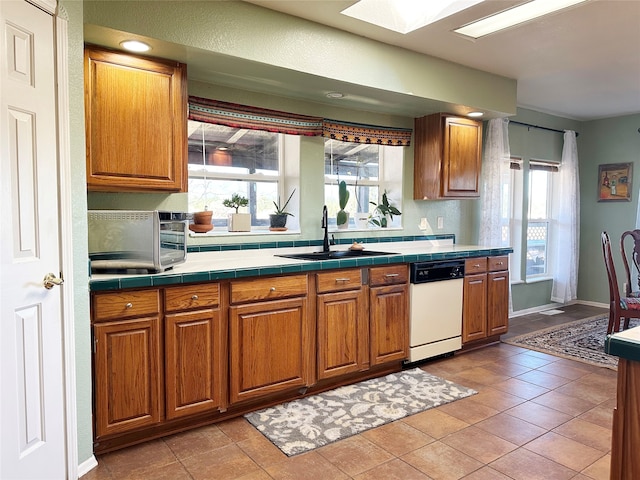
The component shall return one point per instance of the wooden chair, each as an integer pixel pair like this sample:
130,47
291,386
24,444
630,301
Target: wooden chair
620,308
629,290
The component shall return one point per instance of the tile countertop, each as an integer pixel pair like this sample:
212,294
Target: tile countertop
625,344
207,266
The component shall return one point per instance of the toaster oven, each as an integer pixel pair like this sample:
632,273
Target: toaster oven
124,240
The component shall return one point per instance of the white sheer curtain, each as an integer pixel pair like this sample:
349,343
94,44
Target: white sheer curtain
495,204
567,241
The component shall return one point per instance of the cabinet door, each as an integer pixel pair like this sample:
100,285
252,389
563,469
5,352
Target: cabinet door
271,348
474,310
128,375
389,323
343,333
462,157
194,352
497,303
136,124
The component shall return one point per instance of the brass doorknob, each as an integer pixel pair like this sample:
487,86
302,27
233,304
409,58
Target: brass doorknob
50,281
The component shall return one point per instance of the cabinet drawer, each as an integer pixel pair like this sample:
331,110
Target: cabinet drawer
192,296
497,264
268,288
108,306
475,265
339,280
392,275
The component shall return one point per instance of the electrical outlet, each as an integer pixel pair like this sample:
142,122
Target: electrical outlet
440,223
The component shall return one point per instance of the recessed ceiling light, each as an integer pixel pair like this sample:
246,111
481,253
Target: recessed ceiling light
475,114
404,16
514,16
135,46
335,95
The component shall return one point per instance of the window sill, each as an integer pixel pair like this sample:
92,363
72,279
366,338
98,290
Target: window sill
545,278
219,232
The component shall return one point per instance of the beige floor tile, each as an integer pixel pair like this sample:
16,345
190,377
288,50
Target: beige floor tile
586,433
468,410
564,369
483,376
497,399
262,451
543,379
306,466
398,438
479,444
600,469
435,423
442,462
512,429
486,473
528,360
563,403
354,455
601,415
146,456
225,463
523,464
564,451
520,388
197,441
395,469
539,415
508,368
238,429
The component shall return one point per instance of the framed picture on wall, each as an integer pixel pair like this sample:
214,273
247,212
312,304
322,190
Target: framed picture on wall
614,182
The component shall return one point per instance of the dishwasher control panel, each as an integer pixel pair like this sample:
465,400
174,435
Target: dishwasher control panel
423,272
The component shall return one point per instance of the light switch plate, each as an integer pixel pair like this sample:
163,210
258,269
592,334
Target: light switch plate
440,223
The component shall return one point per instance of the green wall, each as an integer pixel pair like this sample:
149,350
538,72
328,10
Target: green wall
612,140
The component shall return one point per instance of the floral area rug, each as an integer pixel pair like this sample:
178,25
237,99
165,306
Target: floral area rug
582,340
302,425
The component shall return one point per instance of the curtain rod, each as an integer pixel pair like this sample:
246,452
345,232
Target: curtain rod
538,126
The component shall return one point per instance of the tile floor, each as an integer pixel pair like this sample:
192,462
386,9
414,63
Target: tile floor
535,417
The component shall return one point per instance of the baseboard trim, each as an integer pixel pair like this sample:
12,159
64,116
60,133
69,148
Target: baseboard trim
86,466
548,306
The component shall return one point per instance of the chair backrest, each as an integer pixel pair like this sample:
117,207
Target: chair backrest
614,293
635,258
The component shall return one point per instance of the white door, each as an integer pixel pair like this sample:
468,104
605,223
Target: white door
32,410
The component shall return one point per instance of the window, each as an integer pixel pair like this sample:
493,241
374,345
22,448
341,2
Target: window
225,160
532,235
368,170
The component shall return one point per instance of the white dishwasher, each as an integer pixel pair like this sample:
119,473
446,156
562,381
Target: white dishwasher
435,321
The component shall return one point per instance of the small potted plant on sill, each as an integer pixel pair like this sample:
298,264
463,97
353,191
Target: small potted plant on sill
342,218
278,220
383,210
238,222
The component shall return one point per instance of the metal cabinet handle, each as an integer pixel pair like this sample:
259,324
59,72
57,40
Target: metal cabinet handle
391,275
50,281
477,265
272,289
194,297
128,305
342,280
499,263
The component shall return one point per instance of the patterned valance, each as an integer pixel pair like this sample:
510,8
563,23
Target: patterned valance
253,118
360,133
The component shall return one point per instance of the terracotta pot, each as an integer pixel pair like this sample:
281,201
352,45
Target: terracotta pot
203,218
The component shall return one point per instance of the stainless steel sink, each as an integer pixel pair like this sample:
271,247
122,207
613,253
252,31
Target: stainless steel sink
331,255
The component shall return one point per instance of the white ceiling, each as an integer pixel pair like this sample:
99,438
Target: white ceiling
582,63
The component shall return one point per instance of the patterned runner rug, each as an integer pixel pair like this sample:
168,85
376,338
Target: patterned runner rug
582,340
301,425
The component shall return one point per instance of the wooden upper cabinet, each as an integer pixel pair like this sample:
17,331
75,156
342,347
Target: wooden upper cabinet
448,155
136,122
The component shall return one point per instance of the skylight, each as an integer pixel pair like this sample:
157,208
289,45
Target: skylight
404,16
514,16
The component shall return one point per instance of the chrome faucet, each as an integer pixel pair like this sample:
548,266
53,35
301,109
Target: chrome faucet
325,226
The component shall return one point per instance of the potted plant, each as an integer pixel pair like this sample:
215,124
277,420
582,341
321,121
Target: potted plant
238,222
342,218
383,210
278,220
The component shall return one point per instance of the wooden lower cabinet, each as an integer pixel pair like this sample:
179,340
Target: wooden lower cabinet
270,337
128,375
389,314
342,323
485,311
